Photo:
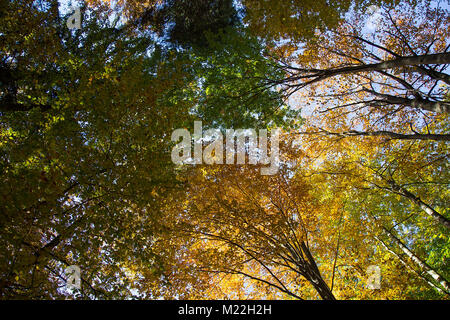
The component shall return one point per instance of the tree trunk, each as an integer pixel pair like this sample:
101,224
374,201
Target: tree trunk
315,75
424,206
314,276
382,133
406,264
418,262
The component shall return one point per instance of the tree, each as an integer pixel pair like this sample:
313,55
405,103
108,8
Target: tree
385,184
85,159
78,176
182,23
87,177
241,223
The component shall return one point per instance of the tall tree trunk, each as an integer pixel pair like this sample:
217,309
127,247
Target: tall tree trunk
418,102
424,206
422,265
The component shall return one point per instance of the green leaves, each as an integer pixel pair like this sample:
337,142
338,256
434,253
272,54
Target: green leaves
230,86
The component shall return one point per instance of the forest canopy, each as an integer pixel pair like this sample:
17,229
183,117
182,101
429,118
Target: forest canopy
358,91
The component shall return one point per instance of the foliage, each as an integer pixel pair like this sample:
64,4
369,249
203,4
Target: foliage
86,118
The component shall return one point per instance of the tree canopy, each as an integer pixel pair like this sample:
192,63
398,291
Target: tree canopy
361,99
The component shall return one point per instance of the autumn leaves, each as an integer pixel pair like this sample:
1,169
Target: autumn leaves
361,161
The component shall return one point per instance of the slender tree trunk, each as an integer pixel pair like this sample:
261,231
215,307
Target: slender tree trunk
424,206
383,133
418,262
315,278
321,287
418,103
314,75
